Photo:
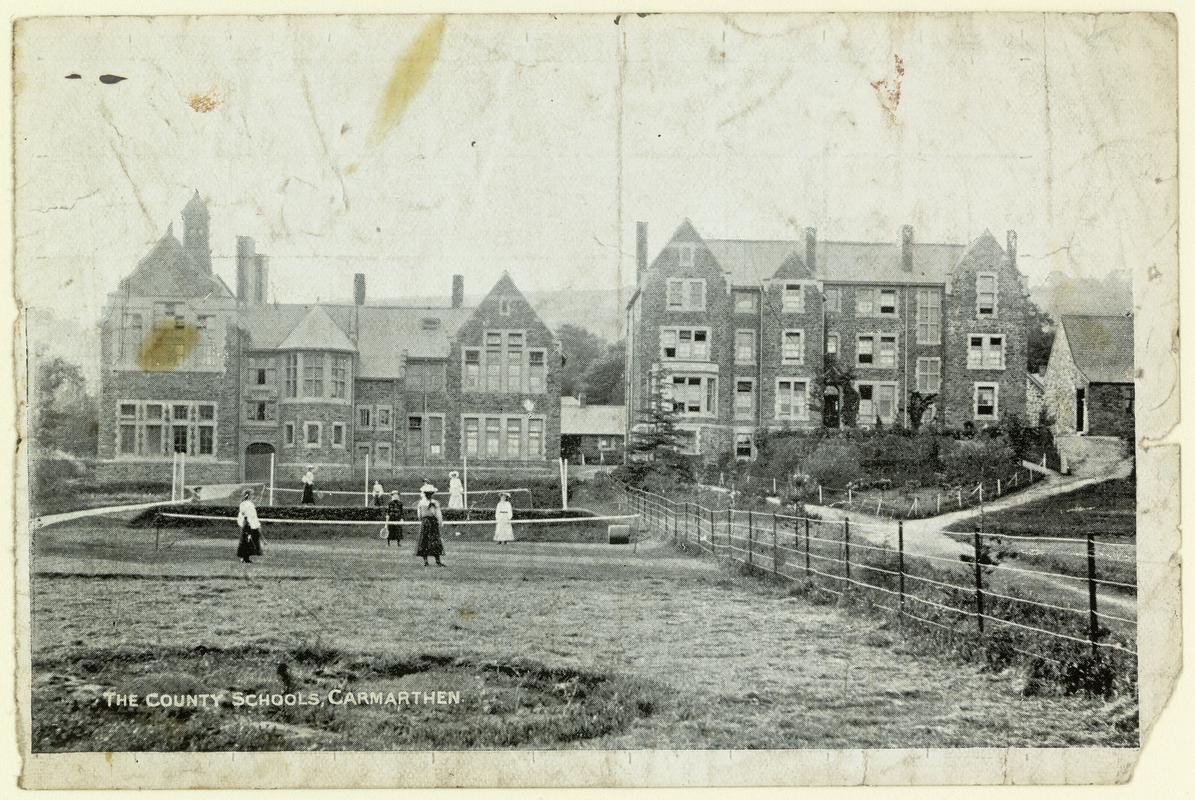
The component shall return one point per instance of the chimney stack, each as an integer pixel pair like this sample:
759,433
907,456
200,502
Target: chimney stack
1012,249
811,249
248,291
458,291
640,250
906,248
261,277
359,288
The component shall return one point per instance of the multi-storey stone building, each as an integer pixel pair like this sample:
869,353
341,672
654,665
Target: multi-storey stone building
232,379
741,333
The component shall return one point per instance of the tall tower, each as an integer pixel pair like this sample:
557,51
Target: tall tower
195,230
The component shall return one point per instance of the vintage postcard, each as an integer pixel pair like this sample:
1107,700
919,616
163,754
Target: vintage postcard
595,400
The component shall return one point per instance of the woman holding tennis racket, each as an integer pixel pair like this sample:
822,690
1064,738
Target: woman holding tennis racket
430,520
393,520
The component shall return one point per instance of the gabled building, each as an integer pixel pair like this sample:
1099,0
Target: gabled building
1089,380
236,381
741,333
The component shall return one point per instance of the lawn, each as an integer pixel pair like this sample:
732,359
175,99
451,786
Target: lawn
1108,510
548,645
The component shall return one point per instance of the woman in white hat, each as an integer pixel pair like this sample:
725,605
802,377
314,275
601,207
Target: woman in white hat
503,514
250,526
456,490
430,519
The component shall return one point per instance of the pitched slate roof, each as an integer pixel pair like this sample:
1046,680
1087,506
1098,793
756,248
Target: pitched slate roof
579,420
383,332
168,270
317,331
1101,346
750,262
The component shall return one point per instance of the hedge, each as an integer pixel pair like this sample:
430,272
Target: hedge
153,517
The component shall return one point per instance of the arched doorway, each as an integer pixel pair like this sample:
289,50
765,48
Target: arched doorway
831,411
257,462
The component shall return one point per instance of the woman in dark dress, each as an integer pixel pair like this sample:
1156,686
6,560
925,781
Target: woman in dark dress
309,487
393,517
250,544
430,519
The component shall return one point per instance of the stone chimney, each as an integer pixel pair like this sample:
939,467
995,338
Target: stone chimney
1012,249
906,248
811,249
458,291
359,288
640,250
252,271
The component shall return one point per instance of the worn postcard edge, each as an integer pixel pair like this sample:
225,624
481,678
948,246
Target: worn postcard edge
1159,643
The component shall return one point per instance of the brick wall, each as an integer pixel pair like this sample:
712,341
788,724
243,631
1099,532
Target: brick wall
119,381
1110,410
331,461
958,382
775,321
718,316
504,308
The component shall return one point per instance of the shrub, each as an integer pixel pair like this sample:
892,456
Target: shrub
834,463
972,460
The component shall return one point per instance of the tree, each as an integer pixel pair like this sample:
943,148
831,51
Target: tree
604,380
581,350
842,380
918,403
656,448
1040,338
65,414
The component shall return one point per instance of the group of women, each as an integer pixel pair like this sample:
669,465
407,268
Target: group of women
427,512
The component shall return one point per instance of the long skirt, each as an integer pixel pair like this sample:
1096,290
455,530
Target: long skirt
378,501
250,544
430,543
308,494
456,500
393,532
504,531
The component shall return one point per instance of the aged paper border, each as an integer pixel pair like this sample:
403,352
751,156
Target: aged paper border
1163,741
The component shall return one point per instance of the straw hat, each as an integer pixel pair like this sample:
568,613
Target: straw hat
245,495
454,474
427,487
394,493
504,496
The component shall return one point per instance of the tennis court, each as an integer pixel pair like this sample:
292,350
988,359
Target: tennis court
547,638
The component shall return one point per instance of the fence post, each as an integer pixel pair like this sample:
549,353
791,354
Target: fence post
819,495
978,585
713,547
939,502
849,495
960,497
1093,617
846,546
900,563
750,537
729,528
775,547
998,492
807,546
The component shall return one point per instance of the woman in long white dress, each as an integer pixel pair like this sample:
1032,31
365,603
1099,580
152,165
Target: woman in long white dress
250,543
456,490
503,514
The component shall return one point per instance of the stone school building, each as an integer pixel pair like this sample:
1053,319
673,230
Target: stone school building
740,332
231,379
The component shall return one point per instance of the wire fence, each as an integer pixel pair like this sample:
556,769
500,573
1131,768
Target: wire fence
886,499
974,593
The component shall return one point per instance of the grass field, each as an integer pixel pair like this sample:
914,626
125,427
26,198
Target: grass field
549,645
1107,509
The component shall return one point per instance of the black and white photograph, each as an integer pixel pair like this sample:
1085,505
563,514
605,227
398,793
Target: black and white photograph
595,400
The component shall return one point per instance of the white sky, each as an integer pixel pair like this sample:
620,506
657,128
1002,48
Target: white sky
525,152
